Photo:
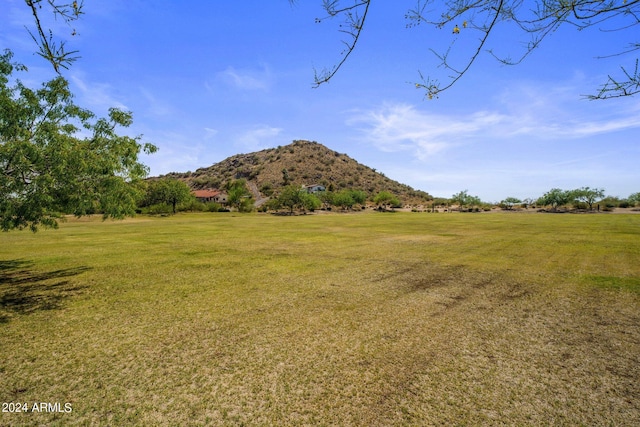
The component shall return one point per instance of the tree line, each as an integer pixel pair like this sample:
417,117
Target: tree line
583,198
169,195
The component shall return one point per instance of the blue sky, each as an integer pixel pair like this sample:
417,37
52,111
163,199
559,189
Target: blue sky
207,80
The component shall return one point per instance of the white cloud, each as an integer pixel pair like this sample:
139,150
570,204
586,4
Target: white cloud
96,95
521,115
402,127
210,133
156,107
257,138
247,79
177,152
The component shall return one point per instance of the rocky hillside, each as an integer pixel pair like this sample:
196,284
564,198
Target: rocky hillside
299,163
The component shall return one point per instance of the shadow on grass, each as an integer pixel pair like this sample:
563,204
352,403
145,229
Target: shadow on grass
24,291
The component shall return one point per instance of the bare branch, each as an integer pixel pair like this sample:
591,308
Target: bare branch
536,20
354,25
614,88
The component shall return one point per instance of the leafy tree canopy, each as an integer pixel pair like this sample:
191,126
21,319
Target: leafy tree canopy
463,198
239,196
554,198
588,195
170,191
57,158
385,198
510,202
293,197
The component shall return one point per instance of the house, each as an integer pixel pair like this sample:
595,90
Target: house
206,196
314,188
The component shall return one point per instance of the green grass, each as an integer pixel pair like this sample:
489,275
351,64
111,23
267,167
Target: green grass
364,319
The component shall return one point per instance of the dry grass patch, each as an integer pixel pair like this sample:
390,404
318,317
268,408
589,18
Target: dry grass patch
326,320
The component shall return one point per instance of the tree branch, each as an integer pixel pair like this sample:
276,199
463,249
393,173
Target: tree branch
356,24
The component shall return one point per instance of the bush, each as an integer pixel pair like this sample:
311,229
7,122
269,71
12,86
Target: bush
159,209
192,206
213,207
267,190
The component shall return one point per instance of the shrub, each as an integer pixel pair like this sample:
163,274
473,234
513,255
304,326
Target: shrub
158,209
192,206
213,207
266,189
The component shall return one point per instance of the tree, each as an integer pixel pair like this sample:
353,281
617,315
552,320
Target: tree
463,199
293,197
534,21
359,197
343,199
286,180
510,202
385,198
326,198
239,196
634,198
554,198
168,191
310,201
48,164
588,195
289,197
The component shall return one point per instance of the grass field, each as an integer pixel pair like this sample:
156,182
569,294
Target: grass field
365,319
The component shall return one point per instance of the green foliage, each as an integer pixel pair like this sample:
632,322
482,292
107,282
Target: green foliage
239,196
510,202
611,202
326,198
267,189
634,198
587,195
168,191
286,180
214,207
158,209
359,197
47,169
310,201
192,205
555,198
293,197
464,199
289,197
385,198
343,199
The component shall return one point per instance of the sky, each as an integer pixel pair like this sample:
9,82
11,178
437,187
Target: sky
206,80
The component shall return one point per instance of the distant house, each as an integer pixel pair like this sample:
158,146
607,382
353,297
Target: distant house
206,196
315,188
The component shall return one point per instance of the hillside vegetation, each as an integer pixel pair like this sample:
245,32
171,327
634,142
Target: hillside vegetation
305,163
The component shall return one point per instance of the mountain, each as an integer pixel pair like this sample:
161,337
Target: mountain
305,163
